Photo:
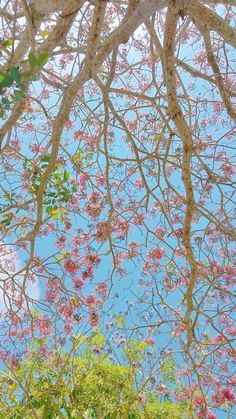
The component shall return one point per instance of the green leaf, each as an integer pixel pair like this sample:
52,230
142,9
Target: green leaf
2,76
6,103
57,178
32,59
66,175
6,219
44,33
7,81
22,87
45,159
18,95
15,73
60,257
120,320
27,74
42,59
7,43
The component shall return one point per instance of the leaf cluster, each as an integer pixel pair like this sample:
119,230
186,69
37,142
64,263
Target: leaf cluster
15,79
84,386
58,191
10,79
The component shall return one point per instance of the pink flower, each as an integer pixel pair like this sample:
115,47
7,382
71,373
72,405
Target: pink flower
71,266
69,124
15,143
134,249
121,228
97,350
228,394
90,261
43,326
61,241
217,339
93,318
35,148
43,349
87,273
78,283
177,233
4,355
81,238
149,341
152,259
78,134
179,330
138,219
100,180
103,231
232,331
198,401
211,415
83,179
208,187
101,288
28,127
223,395
95,198
160,232
139,184
91,301
156,253
93,210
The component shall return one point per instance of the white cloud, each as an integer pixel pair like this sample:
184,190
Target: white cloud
11,283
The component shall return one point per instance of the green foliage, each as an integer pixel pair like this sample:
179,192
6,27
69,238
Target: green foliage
82,158
58,191
38,61
168,370
15,80
10,79
32,59
120,320
6,220
167,409
7,43
86,386
134,350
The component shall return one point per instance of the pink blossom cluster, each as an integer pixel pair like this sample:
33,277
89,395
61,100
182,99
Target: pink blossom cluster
94,205
153,258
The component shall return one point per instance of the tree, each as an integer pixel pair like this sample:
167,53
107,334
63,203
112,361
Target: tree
117,183
89,385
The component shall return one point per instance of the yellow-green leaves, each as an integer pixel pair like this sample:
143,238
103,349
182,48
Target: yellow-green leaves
38,61
83,385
